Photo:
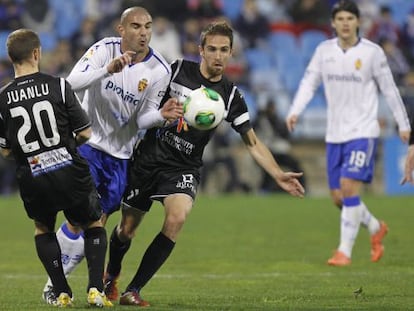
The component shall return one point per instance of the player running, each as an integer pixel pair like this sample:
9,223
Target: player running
167,164
353,71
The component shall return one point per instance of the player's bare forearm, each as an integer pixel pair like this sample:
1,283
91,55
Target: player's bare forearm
83,136
288,181
172,110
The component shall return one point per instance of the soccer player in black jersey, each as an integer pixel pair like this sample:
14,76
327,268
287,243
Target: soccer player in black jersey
167,162
41,125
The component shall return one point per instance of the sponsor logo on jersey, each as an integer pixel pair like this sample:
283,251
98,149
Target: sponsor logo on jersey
187,182
344,78
358,64
142,85
178,143
126,96
49,161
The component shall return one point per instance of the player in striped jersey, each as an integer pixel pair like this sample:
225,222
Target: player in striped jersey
41,124
168,160
352,70
124,81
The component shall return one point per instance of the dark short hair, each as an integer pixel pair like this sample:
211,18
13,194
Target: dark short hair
21,43
217,28
345,5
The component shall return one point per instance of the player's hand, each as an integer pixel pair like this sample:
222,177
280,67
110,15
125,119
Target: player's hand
117,64
172,110
289,182
291,122
405,136
409,167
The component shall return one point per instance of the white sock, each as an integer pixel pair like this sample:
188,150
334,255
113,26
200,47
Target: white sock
72,248
369,221
350,221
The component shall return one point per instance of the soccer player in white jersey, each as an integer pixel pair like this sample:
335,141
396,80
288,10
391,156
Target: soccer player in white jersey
124,81
352,70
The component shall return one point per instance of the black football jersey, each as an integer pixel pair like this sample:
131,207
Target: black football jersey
180,145
39,115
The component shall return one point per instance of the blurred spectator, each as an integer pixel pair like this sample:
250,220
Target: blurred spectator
10,15
6,72
59,62
272,130
205,10
407,92
84,37
407,37
274,10
311,12
190,39
385,27
165,39
369,12
396,60
252,26
176,10
38,16
69,17
219,151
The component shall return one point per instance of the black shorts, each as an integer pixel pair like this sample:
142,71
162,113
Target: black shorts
44,197
148,185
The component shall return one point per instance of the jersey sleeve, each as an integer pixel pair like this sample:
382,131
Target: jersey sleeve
77,116
238,114
308,85
383,77
90,68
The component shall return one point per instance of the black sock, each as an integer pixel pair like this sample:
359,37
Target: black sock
117,251
48,251
154,257
95,250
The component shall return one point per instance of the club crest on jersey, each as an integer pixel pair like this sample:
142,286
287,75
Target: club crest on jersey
142,84
358,64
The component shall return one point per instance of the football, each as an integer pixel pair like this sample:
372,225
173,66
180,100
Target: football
203,108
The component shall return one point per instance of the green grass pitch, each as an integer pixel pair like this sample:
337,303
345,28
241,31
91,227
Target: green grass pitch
238,253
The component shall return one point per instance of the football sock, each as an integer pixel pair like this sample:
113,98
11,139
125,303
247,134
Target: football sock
350,221
369,221
155,255
117,251
95,249
48,251
72,249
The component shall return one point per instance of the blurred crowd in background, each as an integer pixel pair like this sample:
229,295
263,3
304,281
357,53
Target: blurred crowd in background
274,40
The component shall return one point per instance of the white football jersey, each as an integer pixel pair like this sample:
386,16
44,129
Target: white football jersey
120,104
351,81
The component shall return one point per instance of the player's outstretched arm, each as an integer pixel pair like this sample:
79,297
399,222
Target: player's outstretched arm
288,181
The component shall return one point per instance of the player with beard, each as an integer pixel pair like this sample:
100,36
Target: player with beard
124,80
167,162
